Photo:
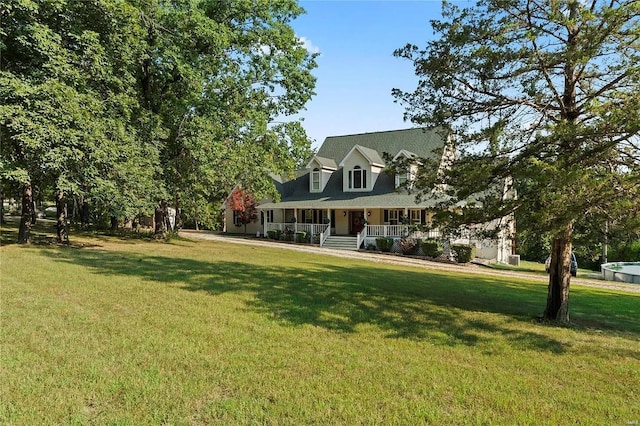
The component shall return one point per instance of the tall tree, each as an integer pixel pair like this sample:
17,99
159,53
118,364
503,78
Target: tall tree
68,90
216,76
543,92
128,104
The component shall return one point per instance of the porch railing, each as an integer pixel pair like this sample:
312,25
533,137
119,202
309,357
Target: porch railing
325,234
400,231
371,231
362,235
309,228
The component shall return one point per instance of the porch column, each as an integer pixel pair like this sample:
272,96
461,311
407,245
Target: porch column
295,223
264,225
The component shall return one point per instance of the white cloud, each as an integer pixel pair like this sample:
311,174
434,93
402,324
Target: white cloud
307,44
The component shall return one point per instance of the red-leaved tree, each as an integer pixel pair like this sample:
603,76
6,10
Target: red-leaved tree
244,206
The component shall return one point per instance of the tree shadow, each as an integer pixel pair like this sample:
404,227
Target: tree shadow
429,306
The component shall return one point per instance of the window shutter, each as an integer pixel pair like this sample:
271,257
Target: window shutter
364,178
350,179
386,216
423,217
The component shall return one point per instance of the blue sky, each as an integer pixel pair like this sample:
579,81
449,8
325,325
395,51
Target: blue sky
356,68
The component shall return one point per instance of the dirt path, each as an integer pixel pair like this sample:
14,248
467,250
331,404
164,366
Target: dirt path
399,260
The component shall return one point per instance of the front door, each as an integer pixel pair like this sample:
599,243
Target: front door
357,222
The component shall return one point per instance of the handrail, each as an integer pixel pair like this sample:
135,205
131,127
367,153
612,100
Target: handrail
325,234
362,235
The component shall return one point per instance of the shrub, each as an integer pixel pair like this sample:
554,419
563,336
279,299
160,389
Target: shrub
463,252
274,234
301,237
384,244
432,248
408,245
288,234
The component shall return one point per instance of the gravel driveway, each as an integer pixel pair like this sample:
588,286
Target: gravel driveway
400,260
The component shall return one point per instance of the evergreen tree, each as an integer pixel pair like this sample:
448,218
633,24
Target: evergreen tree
542,93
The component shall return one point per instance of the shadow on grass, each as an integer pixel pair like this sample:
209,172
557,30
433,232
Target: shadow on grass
43,233
414,305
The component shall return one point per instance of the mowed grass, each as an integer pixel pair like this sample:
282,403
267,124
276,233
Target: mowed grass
128,332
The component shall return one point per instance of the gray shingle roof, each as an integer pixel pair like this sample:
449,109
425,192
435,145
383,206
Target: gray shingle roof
384,195
295,193
419,141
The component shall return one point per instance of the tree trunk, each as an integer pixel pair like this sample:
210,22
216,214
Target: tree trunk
605,245
178,220
27,214
559,277
160,218
114,223
2,222
61,221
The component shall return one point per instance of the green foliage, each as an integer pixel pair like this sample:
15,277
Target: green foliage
125,104
463,253
569,155
626,252
301,237
532,245
541,123
384,244
274,234
432,248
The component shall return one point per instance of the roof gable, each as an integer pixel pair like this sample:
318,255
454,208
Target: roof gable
324,163
404,153
371,155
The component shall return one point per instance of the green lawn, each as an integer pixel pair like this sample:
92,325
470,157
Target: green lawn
128,332
532,267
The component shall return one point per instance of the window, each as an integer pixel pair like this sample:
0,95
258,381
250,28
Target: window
269,216
392,217
236,218
315,180
402,179
415,216
357,178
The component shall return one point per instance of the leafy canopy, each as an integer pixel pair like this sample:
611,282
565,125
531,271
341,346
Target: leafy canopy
543,92
126,103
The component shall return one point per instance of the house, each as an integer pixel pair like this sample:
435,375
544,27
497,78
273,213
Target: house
344,196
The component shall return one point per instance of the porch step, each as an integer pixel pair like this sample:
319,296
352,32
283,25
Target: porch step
340,243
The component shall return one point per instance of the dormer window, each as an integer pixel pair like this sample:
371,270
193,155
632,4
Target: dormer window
357,178
315,179
401,179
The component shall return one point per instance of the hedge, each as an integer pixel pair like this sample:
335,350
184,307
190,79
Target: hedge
464,252
384,244
432,248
